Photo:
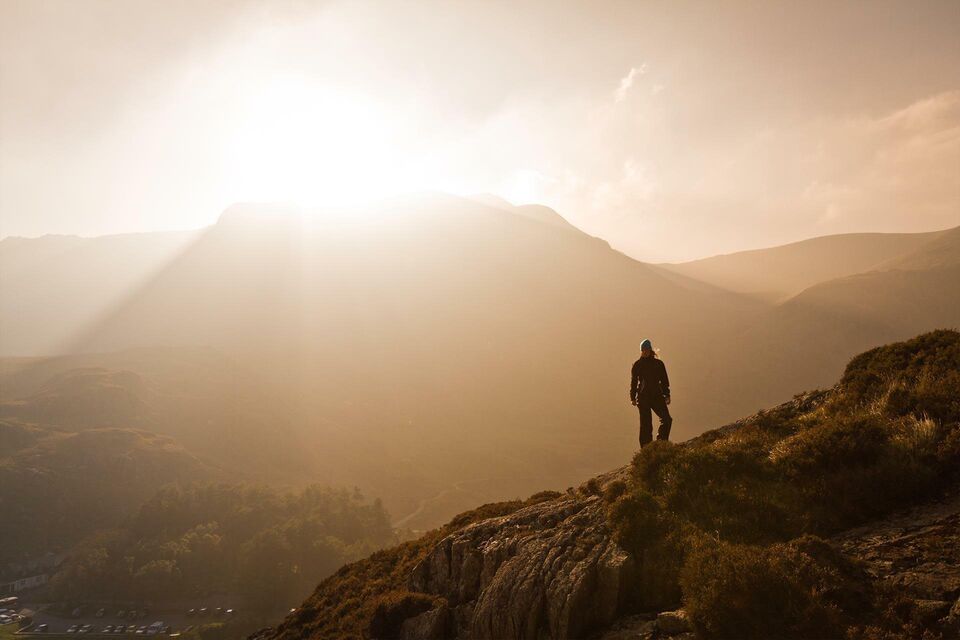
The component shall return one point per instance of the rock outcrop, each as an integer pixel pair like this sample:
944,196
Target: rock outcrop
917,554
550,570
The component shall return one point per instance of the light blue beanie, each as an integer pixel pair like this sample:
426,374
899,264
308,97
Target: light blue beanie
646,345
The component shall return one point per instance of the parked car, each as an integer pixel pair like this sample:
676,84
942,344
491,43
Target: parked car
191,612
42,628
121,613
100,612
73,628
228,612
108,629
142,629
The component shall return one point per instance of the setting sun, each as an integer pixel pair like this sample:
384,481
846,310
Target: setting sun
296,140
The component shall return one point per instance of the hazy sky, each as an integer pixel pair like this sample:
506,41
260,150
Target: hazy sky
674,130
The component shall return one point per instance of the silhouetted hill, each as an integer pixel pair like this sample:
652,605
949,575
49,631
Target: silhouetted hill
779,272
789,524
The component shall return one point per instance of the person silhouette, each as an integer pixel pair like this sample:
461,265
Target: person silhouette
650,390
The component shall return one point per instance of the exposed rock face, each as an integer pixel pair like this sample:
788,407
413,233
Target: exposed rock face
550,570
917,553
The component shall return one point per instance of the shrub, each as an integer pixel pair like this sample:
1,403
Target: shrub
781,591
543,496
614,490
652,464
637,520
591,487
393,608
724,486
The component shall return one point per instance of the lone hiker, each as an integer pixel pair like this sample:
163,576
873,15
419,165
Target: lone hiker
650,389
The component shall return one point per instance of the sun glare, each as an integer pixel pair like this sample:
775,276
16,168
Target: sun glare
315,146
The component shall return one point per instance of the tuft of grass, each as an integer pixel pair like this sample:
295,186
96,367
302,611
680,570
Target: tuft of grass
725,520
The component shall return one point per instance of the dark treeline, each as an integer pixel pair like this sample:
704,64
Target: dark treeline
267,546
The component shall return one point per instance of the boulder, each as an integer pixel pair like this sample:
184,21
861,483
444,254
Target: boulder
672,623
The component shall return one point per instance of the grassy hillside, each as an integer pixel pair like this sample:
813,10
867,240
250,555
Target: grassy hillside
727,524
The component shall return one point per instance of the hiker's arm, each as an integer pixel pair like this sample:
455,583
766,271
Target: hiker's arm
633,384
664,381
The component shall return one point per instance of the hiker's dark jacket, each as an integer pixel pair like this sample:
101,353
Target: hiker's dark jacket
649,379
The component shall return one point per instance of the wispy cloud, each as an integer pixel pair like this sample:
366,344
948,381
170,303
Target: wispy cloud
627,81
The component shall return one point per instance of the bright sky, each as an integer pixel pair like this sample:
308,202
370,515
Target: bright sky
672,129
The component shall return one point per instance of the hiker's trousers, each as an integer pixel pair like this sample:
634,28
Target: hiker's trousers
658,406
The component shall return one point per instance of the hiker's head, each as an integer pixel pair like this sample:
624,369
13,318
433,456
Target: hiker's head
646,349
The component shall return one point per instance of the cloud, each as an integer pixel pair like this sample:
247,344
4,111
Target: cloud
658,190
627,81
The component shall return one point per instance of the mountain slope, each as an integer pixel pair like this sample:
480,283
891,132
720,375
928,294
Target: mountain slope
452,338
919,289
55,286
725,524
805,340
779,272
429,348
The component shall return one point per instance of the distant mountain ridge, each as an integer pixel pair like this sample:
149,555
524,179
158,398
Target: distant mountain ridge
777,273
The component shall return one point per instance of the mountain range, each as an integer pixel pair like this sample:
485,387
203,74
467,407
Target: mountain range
435,351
